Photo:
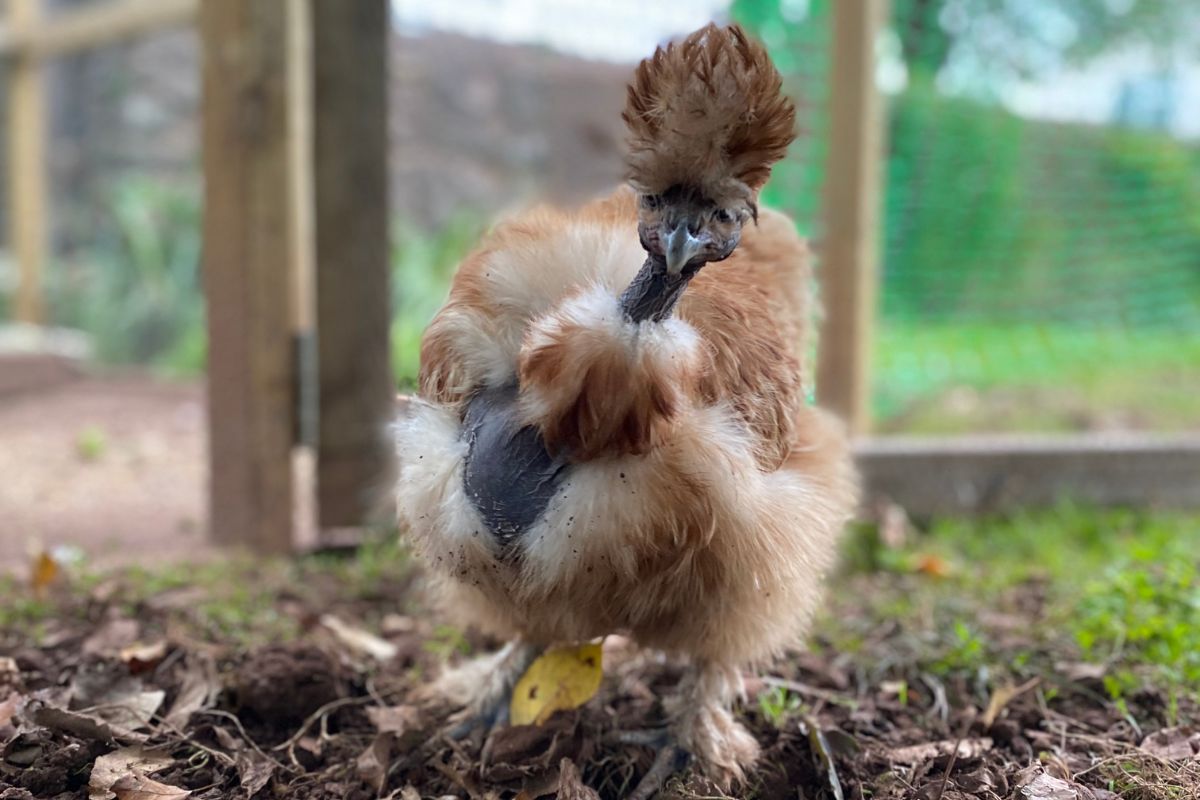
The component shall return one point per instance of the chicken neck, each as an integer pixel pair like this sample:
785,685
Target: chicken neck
653,293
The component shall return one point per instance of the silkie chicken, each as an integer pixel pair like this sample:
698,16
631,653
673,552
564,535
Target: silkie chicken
609,438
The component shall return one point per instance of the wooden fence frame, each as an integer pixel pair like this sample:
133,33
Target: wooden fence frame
291,150
294,135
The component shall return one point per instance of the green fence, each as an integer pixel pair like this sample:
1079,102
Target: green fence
1035,275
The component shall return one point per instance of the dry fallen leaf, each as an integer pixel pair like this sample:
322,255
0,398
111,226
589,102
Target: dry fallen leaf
127,706
1048,787
1173,744
254,771
82,725
358,640
1080,671
561,678
10,673
44,572
1055,765
571,785
372,764
198,689
112,637
983,782
933,565
140,657
110,768
919,753
9,708
1002,696
393,719
138,787
893,525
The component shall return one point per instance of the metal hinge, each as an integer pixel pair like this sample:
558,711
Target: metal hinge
306,390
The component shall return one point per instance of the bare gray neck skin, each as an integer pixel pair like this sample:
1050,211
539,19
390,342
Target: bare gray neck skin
653,293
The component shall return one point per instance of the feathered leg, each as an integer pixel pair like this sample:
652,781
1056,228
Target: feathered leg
704,726
482,687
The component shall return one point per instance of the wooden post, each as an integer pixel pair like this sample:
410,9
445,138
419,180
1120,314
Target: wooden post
357,393
303,228
27,168
95,25
248,253
853,179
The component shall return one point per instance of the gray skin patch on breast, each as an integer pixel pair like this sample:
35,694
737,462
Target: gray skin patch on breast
508,474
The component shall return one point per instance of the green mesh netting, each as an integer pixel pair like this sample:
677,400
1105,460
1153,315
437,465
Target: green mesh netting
1035,275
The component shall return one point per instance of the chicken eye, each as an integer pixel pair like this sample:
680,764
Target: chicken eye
724,216
651,201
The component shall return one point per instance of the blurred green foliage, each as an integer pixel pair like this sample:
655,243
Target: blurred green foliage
1053,267
136,289
422,265
989,217
1013,38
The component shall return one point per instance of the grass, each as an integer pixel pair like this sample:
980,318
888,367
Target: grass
778,705
91,443
1117,588
239,599
959,378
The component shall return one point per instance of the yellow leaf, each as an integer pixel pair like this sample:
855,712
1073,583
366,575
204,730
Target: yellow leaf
933,565
45,572
562,678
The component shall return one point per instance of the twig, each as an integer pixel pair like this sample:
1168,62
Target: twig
818,742
941,706
663,767
949,767
319,714
812,691
457,778
216,712
1119,758
332,705
219,756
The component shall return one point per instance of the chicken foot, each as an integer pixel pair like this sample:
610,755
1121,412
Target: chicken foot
482,688
703,727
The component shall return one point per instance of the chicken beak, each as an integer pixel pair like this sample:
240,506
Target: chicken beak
681,247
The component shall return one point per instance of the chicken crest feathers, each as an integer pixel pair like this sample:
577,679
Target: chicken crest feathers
708,112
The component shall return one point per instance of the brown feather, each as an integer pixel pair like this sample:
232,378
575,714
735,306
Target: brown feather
707,112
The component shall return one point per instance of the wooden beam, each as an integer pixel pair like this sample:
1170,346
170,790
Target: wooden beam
28,233
932,477
853,179
302,236
247,271
96,25
350,46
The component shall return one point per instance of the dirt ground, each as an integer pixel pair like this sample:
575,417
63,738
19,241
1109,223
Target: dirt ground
113,466
119,688
301,678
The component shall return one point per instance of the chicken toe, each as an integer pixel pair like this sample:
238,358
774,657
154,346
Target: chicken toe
481,688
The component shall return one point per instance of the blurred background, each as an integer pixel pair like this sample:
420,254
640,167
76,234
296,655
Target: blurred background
1039,243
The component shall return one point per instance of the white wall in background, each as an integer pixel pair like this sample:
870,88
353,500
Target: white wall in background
612,30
